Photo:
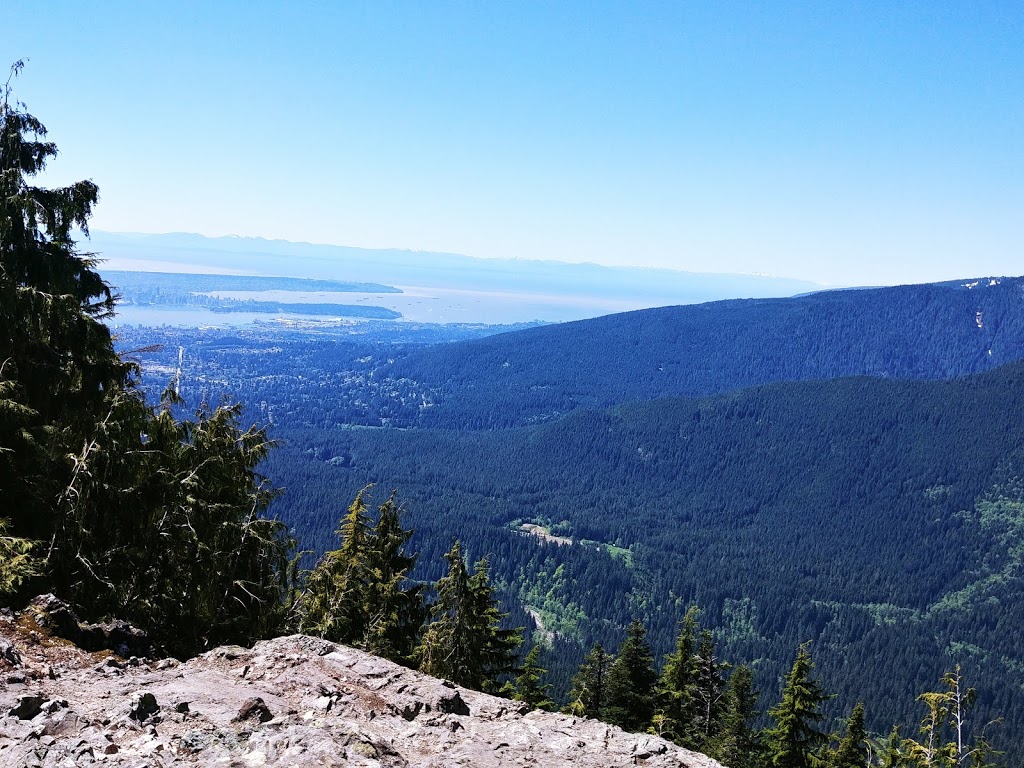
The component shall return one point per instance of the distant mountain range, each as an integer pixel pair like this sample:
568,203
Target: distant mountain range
476,290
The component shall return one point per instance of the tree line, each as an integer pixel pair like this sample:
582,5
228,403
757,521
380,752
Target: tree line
709,706
361,594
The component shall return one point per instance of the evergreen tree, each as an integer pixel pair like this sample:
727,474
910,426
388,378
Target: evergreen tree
16,563
143,517
496,648
464,642
794,739
983,754
631,681
21,461
676,702
852,751
528,687
333,604
949,709
587,697
708,692
932,751
444,648
360,593
960,700
57,361
396,607
891,752
236,559
737,745
165,528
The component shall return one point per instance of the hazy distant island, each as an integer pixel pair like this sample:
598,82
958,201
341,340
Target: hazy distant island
421,286
224,294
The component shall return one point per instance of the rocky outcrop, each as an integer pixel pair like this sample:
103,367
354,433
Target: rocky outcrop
292,701
56,618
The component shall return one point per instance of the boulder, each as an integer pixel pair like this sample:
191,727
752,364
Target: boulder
143,706
9,654
58,619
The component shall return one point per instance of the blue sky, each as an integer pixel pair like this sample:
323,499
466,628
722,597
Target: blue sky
842,142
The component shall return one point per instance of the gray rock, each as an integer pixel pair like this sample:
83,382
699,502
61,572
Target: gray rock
9,654
143,706
59,619
27,707
253,709
117,636
55,616
195,741
229,652
303,702
111,662
453,704
54,705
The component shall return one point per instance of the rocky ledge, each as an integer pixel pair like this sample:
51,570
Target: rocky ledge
292,701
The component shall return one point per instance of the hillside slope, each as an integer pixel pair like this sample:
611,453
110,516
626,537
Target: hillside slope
877,517
881,517
932,331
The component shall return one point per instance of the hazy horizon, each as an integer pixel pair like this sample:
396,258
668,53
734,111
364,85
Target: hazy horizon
862,144
422,251
436,287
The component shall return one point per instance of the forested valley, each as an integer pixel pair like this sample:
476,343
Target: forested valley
872,515
807,532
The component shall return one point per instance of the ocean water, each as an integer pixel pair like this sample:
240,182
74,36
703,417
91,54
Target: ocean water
417,304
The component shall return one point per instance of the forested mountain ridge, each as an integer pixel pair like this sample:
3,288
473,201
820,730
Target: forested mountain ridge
880,518
875,515
931,331
856,512
384,376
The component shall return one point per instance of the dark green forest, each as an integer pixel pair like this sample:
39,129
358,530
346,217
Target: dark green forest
932,331
849,512
855,512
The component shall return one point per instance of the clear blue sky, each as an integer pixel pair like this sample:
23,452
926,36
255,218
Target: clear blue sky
843,142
